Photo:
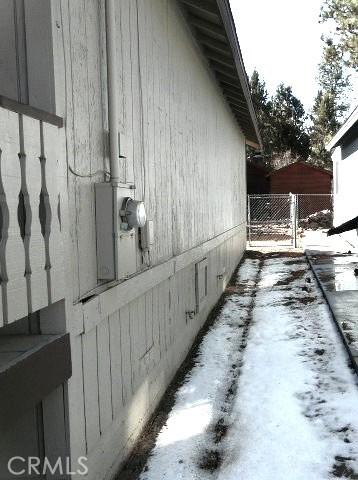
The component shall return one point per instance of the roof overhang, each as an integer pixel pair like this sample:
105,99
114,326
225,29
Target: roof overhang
345,128
214,29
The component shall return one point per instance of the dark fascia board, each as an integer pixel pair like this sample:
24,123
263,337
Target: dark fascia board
209,19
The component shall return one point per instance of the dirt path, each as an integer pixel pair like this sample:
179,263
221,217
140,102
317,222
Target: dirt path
270,386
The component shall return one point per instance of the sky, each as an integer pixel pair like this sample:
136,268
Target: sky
281,39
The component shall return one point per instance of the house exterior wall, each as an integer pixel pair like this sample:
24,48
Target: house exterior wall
299,178
345,171
186,157
185,154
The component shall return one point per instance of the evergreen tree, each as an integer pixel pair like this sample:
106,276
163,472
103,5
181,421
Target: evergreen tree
288,121
333,78
324,126
340,51
263,107
344,14
281,121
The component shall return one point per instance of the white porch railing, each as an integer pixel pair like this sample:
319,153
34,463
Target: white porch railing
31,185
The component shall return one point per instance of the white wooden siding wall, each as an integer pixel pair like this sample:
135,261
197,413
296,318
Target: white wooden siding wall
185,149
187,160
130,356
345,174
31,161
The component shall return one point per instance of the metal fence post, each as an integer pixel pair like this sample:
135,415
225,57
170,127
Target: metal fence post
294,218
248,218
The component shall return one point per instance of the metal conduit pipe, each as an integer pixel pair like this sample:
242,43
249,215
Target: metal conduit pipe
112,91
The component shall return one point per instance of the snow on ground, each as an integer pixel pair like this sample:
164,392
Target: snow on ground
186,435
271,396
318,240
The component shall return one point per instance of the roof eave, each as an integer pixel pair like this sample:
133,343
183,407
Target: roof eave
230,29
348,124
213,27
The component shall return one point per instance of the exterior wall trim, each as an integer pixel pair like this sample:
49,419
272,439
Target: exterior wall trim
114,298
49,356
29,111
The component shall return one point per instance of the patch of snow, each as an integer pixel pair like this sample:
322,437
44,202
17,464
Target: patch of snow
295,392
318,240
185,436
294,414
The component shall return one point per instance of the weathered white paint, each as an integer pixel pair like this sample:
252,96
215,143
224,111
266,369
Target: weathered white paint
32,161
186,156
345,173
26,72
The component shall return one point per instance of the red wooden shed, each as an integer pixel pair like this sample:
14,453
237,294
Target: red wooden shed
300,177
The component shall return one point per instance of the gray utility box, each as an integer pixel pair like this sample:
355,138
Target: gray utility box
116,248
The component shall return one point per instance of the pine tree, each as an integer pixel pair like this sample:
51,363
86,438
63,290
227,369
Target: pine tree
288,121
324,126
333,77
344,14
263,107
340,51
281,121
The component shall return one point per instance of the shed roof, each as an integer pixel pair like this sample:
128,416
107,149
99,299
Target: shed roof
213,26
351,121
304,164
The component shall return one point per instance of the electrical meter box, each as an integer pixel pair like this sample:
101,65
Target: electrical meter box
116,246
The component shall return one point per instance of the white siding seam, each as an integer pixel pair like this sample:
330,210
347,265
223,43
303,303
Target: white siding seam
116,297
120,295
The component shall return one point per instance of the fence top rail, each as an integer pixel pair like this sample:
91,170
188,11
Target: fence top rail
269,195
314,194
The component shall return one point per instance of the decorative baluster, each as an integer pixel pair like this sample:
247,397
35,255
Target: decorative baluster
59,211
45,214
4,233
56,181
24,214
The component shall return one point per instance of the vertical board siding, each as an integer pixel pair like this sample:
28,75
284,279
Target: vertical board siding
129,357
149,330
300,178
126,354
90,388
137,341
183,142
186,157
76,401
116,363
104,376
85,131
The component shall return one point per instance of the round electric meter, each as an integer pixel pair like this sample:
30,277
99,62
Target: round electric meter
133,214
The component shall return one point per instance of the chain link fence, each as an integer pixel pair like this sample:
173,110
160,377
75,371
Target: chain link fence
269,219
283,219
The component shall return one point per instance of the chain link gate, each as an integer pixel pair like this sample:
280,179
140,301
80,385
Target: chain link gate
282,219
